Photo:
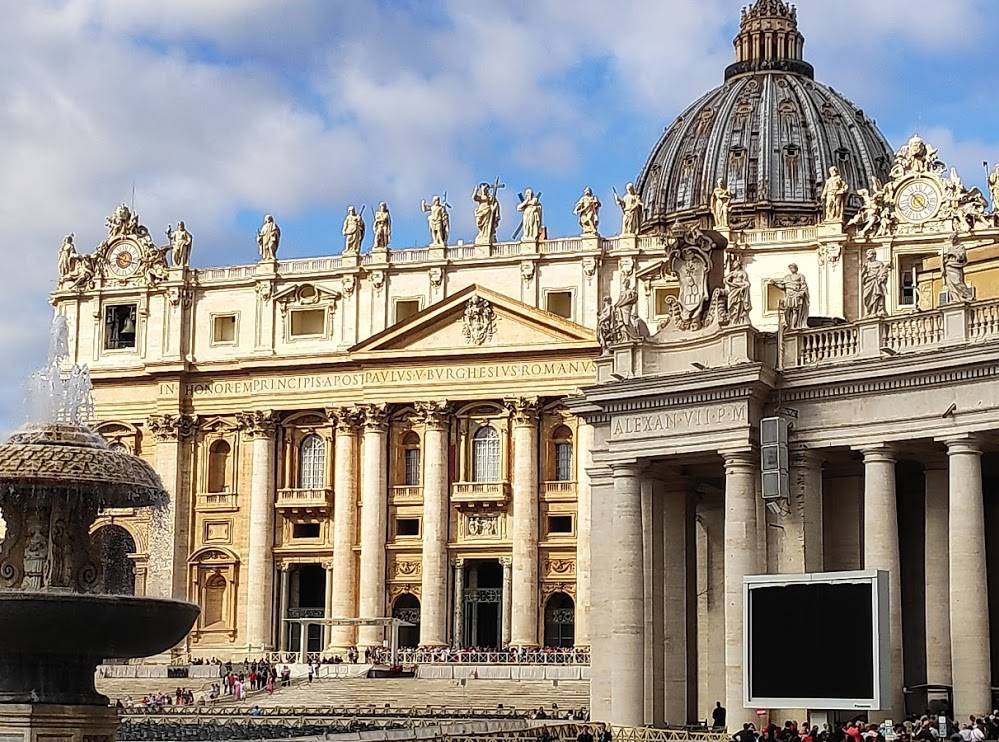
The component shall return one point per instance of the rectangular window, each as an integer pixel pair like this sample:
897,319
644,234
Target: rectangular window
224,329
119,327
411,457
908,272
560,524
305,530
560,303
308,323
406,308
407,527
660,295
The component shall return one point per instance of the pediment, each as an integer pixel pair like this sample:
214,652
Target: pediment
477,319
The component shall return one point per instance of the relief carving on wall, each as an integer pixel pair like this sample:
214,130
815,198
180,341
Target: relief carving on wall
560,567
479,321
482,526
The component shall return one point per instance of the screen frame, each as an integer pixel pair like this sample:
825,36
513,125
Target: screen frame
881,649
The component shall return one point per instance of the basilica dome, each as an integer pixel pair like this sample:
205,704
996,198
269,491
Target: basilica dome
769,133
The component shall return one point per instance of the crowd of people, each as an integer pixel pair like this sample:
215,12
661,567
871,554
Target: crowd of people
540,656
923,729
180,697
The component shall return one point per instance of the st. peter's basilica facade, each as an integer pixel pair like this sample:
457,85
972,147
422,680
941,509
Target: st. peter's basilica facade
554,441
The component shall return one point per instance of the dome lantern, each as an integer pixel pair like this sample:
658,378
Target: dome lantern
769,39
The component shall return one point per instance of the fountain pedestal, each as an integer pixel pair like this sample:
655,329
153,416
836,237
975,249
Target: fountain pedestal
44,722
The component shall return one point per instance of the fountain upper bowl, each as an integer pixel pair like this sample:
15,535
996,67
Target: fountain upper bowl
72,458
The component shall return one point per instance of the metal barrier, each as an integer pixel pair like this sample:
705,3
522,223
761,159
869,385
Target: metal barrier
677,734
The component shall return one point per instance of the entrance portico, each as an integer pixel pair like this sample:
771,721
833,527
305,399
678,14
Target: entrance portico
875,467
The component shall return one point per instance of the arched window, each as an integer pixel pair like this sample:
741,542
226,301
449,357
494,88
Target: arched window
407,607
218,466
562,464
411,459
312,463
214,600
486,455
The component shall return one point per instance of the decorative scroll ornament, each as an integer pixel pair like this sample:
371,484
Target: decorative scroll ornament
479,321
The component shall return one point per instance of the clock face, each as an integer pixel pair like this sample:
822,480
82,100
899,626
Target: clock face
918,201
124,259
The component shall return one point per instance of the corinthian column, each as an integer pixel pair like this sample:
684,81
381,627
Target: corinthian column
584,441
881,551
259,428
167,573
344,603
457,636
433,584
969,590
741,553
507,564
374,522
628,608
524,629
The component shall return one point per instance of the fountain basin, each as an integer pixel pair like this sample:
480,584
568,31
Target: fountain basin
52,642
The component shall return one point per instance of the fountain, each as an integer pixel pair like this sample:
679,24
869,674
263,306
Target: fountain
56,475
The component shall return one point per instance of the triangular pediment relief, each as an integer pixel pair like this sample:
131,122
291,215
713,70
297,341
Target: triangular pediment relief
477,319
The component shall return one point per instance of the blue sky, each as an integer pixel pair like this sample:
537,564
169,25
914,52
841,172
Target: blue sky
219,112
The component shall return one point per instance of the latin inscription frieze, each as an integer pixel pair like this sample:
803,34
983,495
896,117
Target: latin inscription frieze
374,378
695,419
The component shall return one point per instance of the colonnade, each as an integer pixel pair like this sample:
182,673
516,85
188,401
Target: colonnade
957,616
356,582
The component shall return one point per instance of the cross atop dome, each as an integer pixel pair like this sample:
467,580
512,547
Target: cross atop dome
769,39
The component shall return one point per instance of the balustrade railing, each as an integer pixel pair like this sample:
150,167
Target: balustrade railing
507,249
418,255
558,488
946,326
304,497
461,252
230,273
216,500
557,247
445,656
309,265
781,235
407,492
479,491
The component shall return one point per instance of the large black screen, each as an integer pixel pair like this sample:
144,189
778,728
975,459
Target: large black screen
812,641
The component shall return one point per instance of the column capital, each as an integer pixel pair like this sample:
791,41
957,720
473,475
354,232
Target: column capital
347,419
523,410
328,565
458,562
961,444
375,417
172,427
739,460
806,458
878,453
435,414
631,468
506,561
257,423
284,567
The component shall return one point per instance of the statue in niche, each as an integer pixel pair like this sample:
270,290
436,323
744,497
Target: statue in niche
67,258
588,211
353,231
955,260
632,209
487,212
874,285
438,220
268,239
531,221
382,226
795,298
994,189
721,199
737,301
834,196
180,245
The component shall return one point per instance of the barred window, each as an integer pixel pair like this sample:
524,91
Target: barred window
411,459
486,455
563,454
312,463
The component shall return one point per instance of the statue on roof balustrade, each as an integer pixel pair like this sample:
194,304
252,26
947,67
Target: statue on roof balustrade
353,231
834,193
382,226
487,212
531,224
180,245
67,257
632,209
268,239
994,189
438,220
588,210
953,262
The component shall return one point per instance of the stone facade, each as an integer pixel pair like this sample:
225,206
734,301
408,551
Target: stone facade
556,440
